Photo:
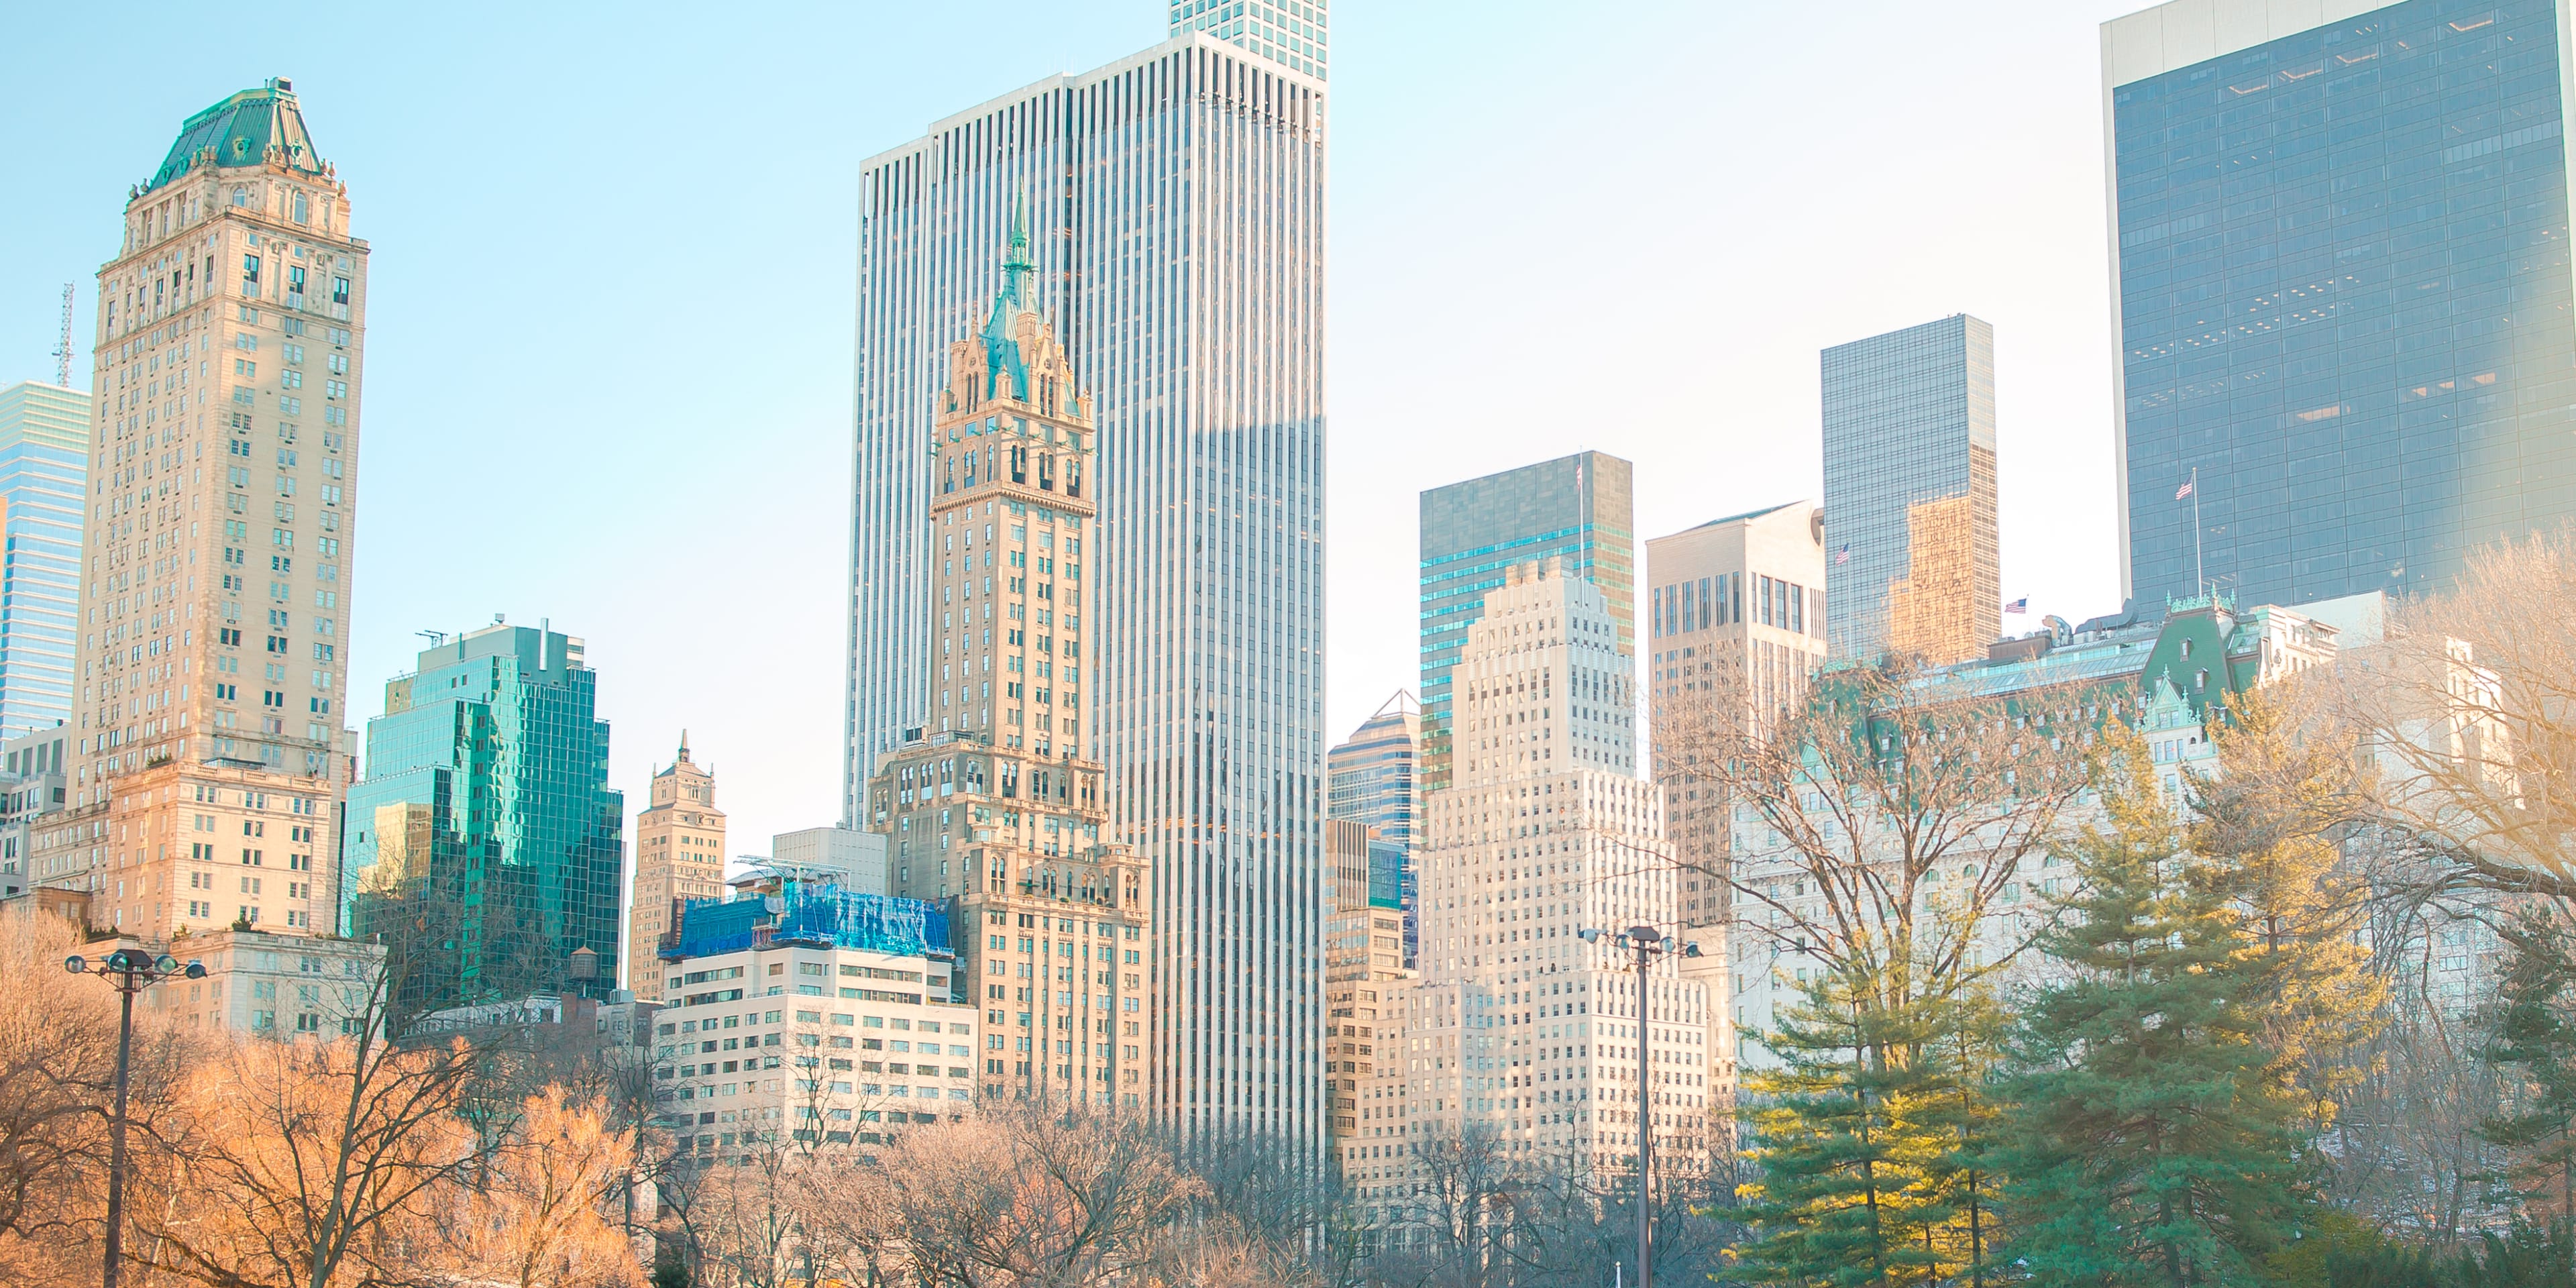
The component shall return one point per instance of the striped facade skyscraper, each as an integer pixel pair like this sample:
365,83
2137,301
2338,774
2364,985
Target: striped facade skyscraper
1175,202
44,481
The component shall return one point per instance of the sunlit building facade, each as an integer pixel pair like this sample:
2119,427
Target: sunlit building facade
1579,510
1910,502
1174,202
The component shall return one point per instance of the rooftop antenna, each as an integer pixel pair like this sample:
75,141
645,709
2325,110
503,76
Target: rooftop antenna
63,347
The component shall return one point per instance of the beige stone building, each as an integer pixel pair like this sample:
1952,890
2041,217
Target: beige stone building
997,804
679,856
1735,630
214,601
1363,974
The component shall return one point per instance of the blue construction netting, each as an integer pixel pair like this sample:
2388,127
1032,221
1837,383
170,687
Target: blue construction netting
825,916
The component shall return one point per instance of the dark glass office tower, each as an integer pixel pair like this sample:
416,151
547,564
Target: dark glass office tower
1910,504
2343,292
1578,508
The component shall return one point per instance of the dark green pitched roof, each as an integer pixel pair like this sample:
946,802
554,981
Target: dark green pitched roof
240,131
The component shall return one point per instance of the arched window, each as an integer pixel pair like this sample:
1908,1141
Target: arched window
303,211
241,196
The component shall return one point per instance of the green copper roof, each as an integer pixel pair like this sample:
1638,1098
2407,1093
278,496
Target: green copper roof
240,131
1001,347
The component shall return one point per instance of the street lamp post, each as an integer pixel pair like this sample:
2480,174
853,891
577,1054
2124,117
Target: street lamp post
128,971
1644,943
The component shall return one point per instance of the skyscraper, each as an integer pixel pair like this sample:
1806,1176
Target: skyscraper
2342,313
221,522
1374,780
485,844
1735,623
1175,202
1910,492
1578,510
679,856
1288,32
997,810
44,508
1528,1032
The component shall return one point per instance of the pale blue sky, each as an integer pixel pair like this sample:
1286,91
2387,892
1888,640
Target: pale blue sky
609,353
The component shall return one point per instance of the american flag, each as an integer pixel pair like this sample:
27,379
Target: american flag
2021,605
2186,489
1843,556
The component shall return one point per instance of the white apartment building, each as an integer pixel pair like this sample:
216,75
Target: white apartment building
1519,1030
797,1037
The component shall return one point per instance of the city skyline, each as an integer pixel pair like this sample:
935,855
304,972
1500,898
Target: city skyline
786,405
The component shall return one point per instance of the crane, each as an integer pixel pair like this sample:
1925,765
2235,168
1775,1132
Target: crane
63,347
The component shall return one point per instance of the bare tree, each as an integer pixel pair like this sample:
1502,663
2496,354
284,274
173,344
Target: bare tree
538,1212
1035,1194
57,1064
1898,805
2469,708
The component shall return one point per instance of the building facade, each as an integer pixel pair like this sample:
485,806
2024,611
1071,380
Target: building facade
222,508
1735,626
679,856
1291,33
1909,434
2339,240
1522,1032
33,785
851,859
1578,510
1000,811
2163,675
485,844
816,1017
1364,970
1374,778
44,509
271,984
1175,207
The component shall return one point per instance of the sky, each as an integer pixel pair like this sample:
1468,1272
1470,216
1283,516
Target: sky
608,368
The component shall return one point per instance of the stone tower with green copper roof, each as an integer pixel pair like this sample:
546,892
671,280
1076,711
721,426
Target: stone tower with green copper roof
215,608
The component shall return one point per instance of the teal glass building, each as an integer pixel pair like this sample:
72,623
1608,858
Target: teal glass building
44,480
1578,509
2344,291
484,844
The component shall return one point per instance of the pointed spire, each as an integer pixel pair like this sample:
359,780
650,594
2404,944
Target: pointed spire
1006,374
684,746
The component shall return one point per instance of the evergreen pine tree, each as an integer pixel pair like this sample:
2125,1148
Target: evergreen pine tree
2150,1144
2532,1034
1843,1132
1959,1113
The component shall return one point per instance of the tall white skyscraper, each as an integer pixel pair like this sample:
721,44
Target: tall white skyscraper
1175,202
1520,1032
1284,31
44,485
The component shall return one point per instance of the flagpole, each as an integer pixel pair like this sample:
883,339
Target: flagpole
2198,574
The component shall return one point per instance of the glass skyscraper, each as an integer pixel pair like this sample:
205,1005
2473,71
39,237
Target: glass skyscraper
2344,291
1375,779
1914,562
1175,201
44,485
1580,509
1288,32
485,844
